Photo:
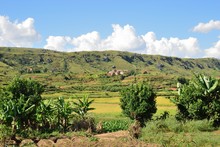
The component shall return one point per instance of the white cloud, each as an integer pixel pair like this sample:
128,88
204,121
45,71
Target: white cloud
87,42
172,46
207,27
17,34
125,39
58,43
213,51
122,38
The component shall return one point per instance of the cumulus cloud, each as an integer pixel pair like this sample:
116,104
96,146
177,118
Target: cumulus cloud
213,51
58,43
207,27
87,42
172,46
17,34
124,38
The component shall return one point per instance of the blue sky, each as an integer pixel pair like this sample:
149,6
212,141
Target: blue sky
164,27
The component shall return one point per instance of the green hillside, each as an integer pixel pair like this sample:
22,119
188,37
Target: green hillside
87,71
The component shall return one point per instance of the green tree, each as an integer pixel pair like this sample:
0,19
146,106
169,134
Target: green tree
200,99
138,102
83,106
19,102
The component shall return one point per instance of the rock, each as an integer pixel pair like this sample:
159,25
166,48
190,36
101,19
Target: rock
64,143
27,142
45,143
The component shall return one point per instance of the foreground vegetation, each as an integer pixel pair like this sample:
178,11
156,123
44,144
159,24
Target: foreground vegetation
170,132
22,103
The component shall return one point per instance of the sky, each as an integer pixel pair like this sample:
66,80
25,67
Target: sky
180,28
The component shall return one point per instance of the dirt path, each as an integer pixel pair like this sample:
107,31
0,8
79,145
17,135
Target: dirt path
113,135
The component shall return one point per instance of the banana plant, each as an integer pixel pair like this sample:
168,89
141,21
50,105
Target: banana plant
207,84
45,114
64,113
16,113
83,106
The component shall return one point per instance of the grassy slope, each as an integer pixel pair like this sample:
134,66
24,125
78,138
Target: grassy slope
77,72
95,62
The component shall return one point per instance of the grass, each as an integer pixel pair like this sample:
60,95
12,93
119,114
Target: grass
163,101
111,105
106,108
106,105
109,108
170,132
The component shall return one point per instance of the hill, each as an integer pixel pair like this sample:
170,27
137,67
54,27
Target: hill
80,70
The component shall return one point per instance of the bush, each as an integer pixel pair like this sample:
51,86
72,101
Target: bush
138,102
19,102
200,99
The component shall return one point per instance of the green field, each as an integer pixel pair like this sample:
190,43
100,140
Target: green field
111,105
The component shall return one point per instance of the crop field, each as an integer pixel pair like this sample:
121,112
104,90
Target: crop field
109,107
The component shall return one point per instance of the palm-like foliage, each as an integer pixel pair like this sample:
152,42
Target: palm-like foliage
64,111
207,84
83,106
45,115
14,113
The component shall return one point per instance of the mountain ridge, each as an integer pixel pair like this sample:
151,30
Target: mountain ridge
18,61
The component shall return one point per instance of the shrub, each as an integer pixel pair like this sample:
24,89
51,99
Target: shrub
19,102
200,99
138,102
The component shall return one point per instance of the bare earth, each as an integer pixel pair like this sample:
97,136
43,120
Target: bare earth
115,139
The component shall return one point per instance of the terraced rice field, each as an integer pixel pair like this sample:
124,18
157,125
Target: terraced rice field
111,105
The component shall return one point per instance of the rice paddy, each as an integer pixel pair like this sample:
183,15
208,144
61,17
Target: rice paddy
111,105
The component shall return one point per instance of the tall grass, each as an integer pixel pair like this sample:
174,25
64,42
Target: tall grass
170,132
